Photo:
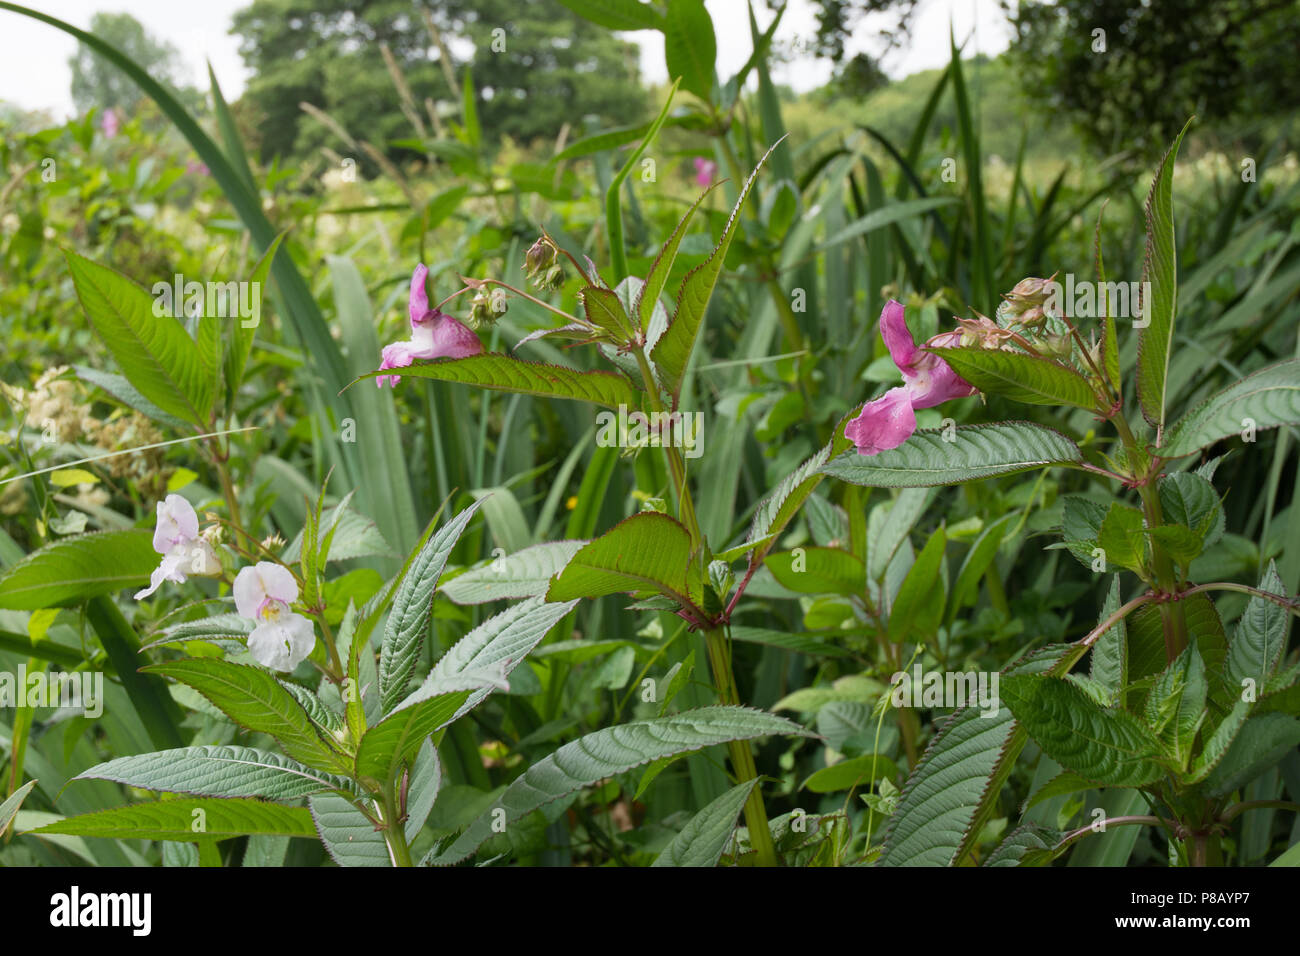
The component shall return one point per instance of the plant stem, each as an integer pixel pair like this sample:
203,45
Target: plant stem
394,834
1171,613
742,755
676,465
717,643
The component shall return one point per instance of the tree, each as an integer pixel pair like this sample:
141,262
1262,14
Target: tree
535,66
96,82
1130,74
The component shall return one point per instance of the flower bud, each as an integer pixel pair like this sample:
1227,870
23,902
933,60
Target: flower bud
540,256
1031,291
553,279
486,308
1057,346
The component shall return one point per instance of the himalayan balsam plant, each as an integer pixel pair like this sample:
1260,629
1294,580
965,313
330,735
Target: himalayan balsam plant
1173,707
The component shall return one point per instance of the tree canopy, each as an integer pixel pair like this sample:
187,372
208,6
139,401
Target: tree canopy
535,66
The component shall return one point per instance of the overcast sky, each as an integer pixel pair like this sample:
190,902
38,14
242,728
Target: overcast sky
34,57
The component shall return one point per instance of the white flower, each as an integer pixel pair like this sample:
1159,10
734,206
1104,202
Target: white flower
282,639
176,538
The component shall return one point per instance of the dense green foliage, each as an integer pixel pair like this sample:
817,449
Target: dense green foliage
485,615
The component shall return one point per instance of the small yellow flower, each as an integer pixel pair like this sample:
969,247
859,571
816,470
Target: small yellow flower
572,502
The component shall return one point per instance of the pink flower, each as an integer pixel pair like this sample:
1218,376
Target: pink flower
109,123
193,166
176,538
282,639
706,170
433,334
928,380
885,423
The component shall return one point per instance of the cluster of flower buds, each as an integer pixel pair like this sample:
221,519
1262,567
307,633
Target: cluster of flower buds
983,332
541,263
486,307
1025,304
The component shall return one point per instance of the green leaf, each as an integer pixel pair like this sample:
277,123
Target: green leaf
245,330
819,571
1175,707
611,751
149,694
502,373
617,14
600,142
977,451
889,525
690,47
9,808
977,561
647,295
605,311
1105,746
1020,377
613,201
705,836
887,215
71,570
1065,782
1121,536
214,771
155,353
496,647
469,110
1290,858
190,821
396,739
1161,270
1081,520
349,535
853,773
526,573
1267,398
128,394
673,351
424,783
776,510
1030,844
646,552
381,473
408,621
1218,741
1262,742
1188,499
1181,543
254,699
1260,638
1109,662
349,838
918,608
803,643
952,791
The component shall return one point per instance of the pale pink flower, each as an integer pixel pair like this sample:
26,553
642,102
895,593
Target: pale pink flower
433,334
109,122
176,538
928,380
282,638
706,170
